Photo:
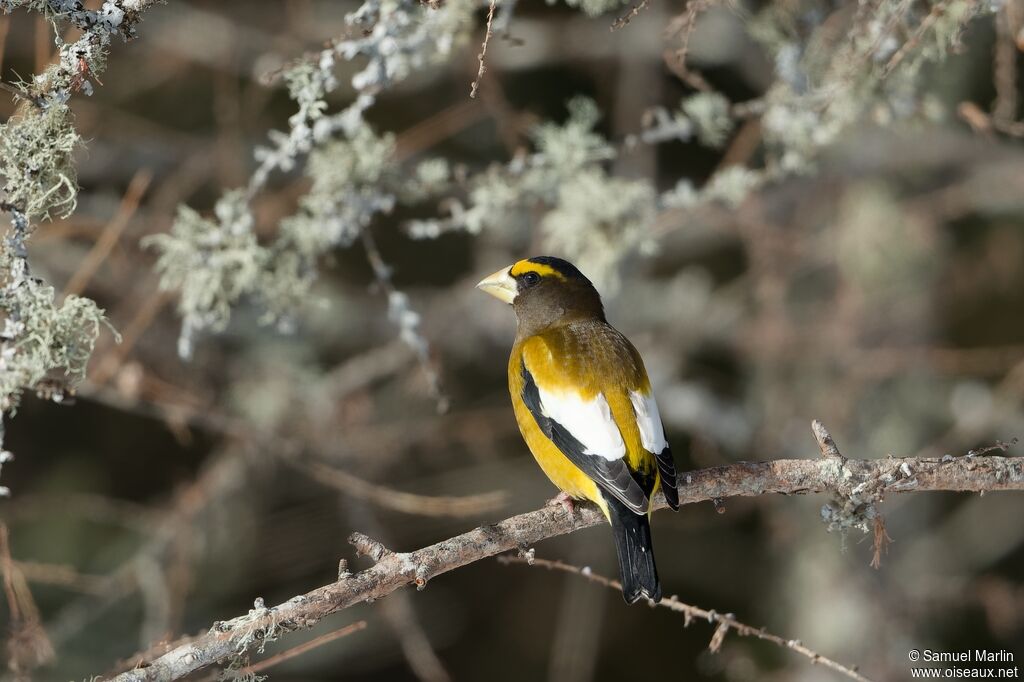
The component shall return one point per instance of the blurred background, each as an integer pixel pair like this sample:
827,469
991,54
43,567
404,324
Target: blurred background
872,279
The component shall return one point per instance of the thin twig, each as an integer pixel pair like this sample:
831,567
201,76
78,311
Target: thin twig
412,638
444,124
826,445
63,576
398,500
7,567
28,645
483,50
725,621
683,26
303,648
938,10
630,15
981,122
111,233
881,542
84,507
144,316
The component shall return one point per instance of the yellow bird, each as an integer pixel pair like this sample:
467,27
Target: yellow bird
585,407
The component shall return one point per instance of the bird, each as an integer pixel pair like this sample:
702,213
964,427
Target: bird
585,408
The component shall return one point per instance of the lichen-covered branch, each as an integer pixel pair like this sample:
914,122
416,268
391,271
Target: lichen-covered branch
217,262
859,482
827,80
44,346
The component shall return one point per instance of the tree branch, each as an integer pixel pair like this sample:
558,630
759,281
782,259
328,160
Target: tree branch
859,483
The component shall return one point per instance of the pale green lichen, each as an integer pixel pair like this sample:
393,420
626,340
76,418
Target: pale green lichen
709,113
36,148
705,115
351,184
825,85
352,171
732,185
216,262
570,146
212,262
43,346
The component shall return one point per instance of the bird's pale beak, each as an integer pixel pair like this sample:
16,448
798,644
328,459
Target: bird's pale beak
501,285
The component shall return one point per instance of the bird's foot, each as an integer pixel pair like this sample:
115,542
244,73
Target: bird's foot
565,501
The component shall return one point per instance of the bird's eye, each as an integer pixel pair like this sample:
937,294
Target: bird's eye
530,278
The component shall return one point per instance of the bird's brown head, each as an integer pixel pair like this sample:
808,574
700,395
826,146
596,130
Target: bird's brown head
545,292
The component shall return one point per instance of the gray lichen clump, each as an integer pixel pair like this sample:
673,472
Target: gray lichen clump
212,262
38,337
36,148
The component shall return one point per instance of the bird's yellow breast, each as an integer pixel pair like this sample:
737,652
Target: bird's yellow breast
564,474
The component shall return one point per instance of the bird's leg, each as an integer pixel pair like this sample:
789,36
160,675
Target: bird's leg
562,498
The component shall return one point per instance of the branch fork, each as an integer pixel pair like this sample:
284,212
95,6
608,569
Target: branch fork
405,562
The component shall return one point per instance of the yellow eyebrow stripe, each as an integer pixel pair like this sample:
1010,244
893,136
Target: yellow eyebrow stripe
524,266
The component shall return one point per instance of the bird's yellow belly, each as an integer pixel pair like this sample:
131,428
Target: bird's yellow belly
564,474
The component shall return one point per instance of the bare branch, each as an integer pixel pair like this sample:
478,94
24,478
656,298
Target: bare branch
64,576
393,570
399,500
881,542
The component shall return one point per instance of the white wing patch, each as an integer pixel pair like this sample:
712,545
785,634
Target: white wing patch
652,433
589,421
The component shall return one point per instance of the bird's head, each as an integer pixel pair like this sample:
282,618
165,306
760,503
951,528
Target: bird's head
544,291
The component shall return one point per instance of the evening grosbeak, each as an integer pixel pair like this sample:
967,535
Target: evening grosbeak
585,407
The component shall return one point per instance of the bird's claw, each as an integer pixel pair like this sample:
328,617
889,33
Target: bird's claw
565,501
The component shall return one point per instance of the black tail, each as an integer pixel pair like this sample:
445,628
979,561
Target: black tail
636,555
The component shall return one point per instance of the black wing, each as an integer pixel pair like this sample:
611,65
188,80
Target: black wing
611,475
667,468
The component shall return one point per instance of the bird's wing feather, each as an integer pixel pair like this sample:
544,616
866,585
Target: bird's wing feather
590,421
648,420
652,436
585,432
669,484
